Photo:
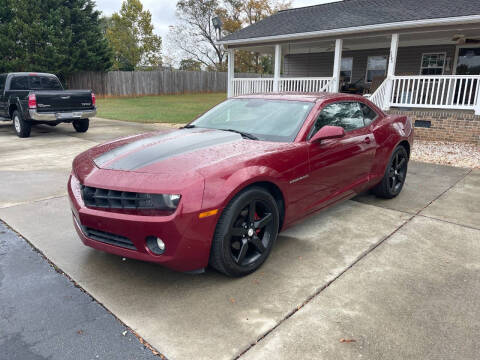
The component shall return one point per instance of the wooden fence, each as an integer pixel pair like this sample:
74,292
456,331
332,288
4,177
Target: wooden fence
133,83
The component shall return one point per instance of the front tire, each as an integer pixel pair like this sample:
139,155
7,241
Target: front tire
81,125
245,233
395,174
21,126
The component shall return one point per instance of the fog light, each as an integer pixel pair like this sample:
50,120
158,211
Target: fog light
155,244
160,244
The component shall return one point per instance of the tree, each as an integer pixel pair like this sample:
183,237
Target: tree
190,65
196,37
130,34
52,36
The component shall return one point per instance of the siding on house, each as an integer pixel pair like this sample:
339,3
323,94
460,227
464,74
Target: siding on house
321,64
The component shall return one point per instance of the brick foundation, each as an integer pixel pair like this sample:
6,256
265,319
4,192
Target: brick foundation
445,125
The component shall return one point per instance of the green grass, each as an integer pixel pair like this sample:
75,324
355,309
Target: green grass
151,109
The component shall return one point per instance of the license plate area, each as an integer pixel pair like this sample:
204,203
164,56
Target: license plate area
69,115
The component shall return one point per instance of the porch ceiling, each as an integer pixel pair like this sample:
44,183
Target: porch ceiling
426,36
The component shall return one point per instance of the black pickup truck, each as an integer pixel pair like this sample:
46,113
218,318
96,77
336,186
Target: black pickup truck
39,98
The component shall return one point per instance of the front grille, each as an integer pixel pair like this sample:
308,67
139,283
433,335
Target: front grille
112,199
108,238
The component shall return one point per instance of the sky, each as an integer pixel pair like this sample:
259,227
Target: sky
163,11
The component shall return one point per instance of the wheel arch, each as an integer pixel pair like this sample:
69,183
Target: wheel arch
277,194
11,109
406,145
236,184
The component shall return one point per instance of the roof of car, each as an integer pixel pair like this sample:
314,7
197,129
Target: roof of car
295,96
354,13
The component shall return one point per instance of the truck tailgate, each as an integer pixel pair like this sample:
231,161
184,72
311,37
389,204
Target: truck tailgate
69,100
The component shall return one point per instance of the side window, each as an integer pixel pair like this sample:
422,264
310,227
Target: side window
345,114
369,115
3,78
19,83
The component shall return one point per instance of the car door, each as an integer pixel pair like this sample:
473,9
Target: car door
340,166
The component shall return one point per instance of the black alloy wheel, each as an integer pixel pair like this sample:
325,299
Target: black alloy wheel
245,233
251,232
395,174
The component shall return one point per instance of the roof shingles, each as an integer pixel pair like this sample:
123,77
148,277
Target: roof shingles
353,13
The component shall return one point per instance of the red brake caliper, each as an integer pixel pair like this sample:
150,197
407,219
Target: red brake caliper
256,217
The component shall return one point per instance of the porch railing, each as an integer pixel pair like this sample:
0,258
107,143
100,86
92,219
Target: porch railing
441,92
252,86
379,97
245,86
305,85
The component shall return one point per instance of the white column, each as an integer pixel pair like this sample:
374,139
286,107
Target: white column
230,72
392,63
337,64
277,67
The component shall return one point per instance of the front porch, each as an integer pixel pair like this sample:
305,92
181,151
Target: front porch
431,68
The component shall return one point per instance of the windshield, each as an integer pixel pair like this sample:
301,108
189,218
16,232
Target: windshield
270,120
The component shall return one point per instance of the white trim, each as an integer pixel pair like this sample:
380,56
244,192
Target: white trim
391,67
444,53
337,63
230,72
356,29
277,66
457,48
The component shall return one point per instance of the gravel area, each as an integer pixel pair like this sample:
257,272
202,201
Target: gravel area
447,153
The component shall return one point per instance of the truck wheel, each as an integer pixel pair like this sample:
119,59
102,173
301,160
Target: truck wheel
21,126
81,125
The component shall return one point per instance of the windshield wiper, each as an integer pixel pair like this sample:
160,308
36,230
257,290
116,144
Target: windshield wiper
244,134
190,126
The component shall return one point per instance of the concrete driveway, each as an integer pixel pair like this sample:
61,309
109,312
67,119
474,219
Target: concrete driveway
397,279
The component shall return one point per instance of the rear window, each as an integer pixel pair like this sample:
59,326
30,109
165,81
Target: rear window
35,83
44,83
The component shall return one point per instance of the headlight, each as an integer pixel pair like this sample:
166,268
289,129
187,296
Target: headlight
126,200
158,201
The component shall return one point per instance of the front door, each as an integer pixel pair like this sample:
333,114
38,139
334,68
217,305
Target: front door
337,166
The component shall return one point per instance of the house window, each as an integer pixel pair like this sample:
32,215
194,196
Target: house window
432,64
376,67
346,70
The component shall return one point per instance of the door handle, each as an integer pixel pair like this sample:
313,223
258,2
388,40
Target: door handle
367,140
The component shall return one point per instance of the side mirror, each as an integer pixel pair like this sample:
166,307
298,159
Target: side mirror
328,132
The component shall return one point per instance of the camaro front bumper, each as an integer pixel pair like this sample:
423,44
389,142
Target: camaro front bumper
61,116
187,238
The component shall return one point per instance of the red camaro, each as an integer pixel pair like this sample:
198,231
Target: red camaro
220,189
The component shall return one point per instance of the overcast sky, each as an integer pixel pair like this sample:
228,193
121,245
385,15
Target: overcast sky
163,11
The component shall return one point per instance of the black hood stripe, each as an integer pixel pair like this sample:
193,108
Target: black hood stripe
159,148
105,158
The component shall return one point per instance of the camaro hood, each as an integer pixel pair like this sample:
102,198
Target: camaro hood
179,151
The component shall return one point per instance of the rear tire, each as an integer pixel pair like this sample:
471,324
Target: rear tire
245,233
21,126
81,125
395,174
